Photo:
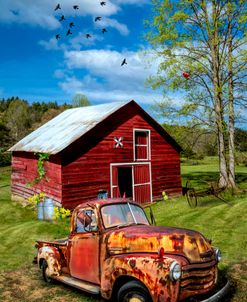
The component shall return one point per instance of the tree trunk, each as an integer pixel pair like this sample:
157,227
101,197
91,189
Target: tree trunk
231,107
218,104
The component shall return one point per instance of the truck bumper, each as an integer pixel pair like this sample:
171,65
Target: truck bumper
219,295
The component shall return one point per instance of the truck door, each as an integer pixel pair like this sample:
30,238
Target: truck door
84,247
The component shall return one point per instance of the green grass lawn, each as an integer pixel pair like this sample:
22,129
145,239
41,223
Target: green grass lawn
225,224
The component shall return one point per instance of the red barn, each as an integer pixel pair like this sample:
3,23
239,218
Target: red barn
115,147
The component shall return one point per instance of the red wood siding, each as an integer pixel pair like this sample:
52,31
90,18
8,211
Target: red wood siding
85,175
24,171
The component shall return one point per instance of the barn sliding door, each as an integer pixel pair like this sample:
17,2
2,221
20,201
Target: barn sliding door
114,182
131,181
142,183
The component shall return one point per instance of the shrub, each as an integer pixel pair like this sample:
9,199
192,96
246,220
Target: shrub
5,158
241,158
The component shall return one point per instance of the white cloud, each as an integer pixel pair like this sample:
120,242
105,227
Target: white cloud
107,80
81,40
28,12
135,2
107,22
50,44
104,93
41,12
107,64
59,74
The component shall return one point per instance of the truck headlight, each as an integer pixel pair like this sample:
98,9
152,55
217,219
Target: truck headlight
175,271
218,254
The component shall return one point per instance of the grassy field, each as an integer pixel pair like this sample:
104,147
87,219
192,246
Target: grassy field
225,224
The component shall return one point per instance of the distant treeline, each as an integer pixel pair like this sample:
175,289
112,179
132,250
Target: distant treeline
198,142
19,117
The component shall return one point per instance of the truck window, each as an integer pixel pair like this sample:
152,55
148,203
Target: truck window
86,221
121,214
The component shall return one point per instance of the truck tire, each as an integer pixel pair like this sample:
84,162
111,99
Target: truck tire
133,291
44,267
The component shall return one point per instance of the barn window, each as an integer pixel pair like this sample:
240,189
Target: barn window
141,144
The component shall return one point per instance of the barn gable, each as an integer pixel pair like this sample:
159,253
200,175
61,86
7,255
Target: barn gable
72,124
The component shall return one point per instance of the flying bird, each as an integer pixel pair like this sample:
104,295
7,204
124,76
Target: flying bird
97,19
88,36
103,30
57,36
102,3
69,32
57,7
123,62
75,6
62,18
71,24
186,75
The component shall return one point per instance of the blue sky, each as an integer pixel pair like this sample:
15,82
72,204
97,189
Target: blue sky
37,67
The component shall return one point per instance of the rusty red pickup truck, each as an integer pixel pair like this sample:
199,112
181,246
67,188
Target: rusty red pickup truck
113,250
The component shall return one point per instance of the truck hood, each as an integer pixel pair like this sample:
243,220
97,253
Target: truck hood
147,239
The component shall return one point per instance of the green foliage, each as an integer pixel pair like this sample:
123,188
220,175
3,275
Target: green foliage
201,46
196,142
61,213
241,158
42,158
80,100
4,135
18,118
241,140
5,158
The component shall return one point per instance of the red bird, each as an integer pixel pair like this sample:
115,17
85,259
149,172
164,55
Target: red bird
186,75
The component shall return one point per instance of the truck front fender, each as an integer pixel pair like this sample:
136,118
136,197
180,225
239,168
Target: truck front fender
150,270
52,256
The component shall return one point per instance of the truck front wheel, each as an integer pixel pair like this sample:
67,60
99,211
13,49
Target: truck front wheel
133,291
44,272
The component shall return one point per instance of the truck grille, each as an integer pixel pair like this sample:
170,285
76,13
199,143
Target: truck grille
197,279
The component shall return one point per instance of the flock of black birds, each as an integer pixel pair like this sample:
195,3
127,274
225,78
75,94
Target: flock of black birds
71,24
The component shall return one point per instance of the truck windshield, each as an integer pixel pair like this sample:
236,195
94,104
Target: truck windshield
123,214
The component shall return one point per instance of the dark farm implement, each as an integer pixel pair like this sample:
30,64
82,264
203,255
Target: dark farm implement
192,194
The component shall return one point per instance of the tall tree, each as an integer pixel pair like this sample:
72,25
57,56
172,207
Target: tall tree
192,38
17,119
80,100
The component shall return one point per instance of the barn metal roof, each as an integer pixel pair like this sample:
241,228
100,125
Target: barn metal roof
64,129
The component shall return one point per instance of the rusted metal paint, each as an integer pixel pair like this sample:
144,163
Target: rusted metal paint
52,257
149,269
148,239
93,289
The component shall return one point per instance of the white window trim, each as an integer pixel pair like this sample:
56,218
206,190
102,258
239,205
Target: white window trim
148,145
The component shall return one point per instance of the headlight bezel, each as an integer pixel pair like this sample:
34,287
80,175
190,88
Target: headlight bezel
175,271
218,254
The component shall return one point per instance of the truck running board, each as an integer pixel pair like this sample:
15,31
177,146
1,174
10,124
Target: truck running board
86,286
